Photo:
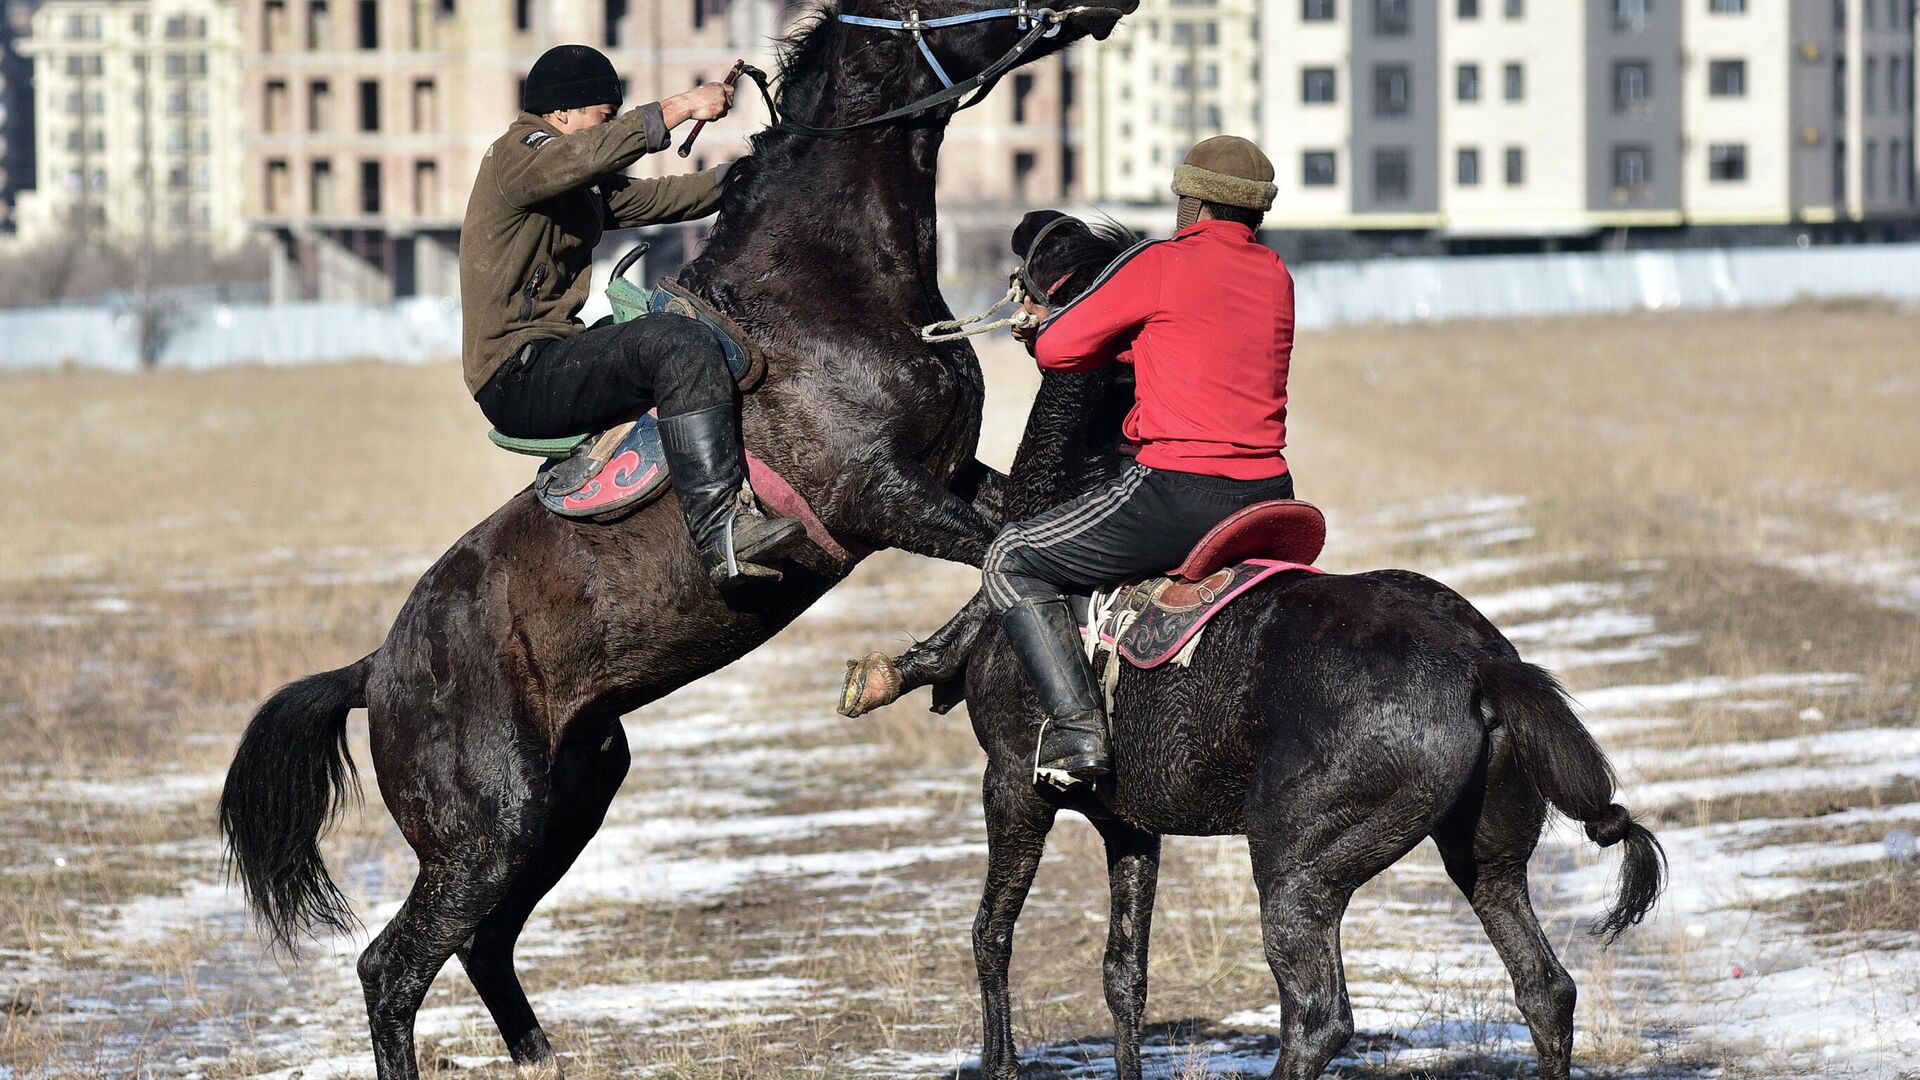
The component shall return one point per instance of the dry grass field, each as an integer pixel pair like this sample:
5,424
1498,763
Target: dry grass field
1709,524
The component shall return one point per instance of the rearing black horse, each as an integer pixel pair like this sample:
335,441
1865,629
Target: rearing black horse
1335,720
494,705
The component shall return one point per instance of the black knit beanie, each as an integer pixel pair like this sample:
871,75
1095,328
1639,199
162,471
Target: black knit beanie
570,77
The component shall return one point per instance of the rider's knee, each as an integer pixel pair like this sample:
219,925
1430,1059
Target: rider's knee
692,370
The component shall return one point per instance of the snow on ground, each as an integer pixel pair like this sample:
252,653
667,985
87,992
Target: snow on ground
726,801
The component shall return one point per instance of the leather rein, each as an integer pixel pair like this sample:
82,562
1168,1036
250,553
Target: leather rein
1038,23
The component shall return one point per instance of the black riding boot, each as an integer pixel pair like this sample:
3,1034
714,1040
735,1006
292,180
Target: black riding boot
1073,742
708,469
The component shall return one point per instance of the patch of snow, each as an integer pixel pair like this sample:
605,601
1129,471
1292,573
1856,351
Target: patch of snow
1640,696
610,870
1533,598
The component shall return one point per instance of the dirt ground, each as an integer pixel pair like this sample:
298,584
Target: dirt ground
1708,524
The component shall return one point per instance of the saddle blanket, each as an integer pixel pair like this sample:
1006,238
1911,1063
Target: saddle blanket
1151,622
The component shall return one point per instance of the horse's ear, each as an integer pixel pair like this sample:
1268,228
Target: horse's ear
1030,227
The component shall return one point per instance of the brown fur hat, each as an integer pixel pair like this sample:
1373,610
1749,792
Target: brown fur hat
1228,170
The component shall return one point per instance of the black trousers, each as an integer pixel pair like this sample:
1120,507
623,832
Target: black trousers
605,375
1145,522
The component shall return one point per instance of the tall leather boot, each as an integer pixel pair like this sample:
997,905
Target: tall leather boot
1073,742
709,472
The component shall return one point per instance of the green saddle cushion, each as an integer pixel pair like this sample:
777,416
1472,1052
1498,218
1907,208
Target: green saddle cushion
546,448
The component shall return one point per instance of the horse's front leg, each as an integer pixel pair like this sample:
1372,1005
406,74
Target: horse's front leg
1133,870
900,504
878,679
891,501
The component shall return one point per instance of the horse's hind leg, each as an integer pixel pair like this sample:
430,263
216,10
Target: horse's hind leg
1485,846
586,775
1133,868
1300,913
1320,830
1017,827
472,836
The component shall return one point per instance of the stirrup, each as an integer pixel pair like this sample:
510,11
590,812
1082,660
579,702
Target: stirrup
1060,779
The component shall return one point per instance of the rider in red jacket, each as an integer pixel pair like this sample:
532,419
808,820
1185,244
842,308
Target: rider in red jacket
1206,319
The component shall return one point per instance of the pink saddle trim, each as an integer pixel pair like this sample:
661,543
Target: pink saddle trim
1267,568
779,496
1285,529
615,481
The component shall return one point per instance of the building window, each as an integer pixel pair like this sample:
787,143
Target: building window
1516,9
1392,175
523,14
1630,167
1727,162
1631,87
1390,18
1516,166
276,193
369,187
1728,7
1316,86
369,105
1392,90
1468,9
1317,11
1515,82
1466,166
1727,78
1466,82
276,106
320,189
1022,91
319,106
1870,169
423,105
1317,169
1895,99
369,37
319,26
426,189
1630,15
1870,86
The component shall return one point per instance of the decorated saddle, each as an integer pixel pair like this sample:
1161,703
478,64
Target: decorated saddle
1151,622
609,474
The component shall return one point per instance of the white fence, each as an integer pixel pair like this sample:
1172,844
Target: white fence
1498,287
1328,294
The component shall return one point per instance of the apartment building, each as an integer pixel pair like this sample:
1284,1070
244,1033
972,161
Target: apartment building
136,124
369,118
1517,119
16,109
1173,73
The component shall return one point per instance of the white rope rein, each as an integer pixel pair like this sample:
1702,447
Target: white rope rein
975,325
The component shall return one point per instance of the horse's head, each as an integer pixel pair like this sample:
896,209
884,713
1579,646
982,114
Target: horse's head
916,50
1073,430
1060,256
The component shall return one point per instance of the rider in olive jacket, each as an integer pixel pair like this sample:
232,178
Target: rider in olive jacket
546,191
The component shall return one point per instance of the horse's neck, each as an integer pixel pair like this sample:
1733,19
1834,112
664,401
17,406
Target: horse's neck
1065,450
851,212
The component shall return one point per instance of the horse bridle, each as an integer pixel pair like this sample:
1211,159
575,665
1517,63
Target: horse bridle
1038,23
1021,288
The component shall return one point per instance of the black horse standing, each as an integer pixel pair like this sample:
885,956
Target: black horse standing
494,705
1335,720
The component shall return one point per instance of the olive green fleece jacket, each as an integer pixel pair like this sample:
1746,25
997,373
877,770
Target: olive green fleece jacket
539,205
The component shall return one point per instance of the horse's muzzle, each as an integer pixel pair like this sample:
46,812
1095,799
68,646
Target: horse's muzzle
1100,21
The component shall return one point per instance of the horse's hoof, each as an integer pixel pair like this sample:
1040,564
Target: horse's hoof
538,1070
872,681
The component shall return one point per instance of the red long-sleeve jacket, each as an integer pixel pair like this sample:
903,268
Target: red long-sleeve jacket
1206,319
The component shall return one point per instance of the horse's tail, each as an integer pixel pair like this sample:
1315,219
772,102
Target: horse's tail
288,781
1559,755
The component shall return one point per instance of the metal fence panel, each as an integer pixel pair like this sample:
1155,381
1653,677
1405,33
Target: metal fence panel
1326,294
